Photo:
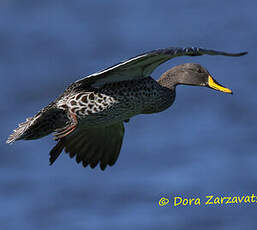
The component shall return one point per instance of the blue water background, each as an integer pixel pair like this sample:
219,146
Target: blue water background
204,144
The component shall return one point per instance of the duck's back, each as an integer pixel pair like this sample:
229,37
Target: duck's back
96,107
116,102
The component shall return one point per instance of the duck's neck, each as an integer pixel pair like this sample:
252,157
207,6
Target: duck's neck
168,80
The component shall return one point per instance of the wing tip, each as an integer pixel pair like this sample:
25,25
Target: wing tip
56,151
242,53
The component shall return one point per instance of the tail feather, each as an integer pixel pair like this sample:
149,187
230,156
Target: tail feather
19,132
43,123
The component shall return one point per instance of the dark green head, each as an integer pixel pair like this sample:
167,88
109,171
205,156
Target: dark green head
190,74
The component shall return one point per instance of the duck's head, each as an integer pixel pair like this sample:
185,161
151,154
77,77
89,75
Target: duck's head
190,74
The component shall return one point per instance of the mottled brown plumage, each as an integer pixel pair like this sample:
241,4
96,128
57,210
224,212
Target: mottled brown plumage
87,119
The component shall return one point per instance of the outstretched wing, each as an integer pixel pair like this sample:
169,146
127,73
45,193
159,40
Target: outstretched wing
143,65
92,146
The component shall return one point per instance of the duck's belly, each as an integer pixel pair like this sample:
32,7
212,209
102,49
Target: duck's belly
119,101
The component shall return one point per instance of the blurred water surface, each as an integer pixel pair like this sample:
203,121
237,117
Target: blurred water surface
204,144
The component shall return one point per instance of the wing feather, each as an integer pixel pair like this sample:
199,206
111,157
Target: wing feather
92,146
144,64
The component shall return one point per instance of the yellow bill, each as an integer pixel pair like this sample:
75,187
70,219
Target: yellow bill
214,85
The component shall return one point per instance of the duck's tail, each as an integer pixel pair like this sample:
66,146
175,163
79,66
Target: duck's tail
20,132
42,124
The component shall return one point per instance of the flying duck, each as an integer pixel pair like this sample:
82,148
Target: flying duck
88,118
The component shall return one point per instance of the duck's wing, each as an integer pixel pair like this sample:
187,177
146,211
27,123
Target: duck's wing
92,146
144,64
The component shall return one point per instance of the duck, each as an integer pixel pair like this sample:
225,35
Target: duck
87,120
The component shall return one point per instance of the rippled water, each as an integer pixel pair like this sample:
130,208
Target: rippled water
205,144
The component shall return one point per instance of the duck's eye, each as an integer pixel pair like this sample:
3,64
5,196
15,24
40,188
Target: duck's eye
199,71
